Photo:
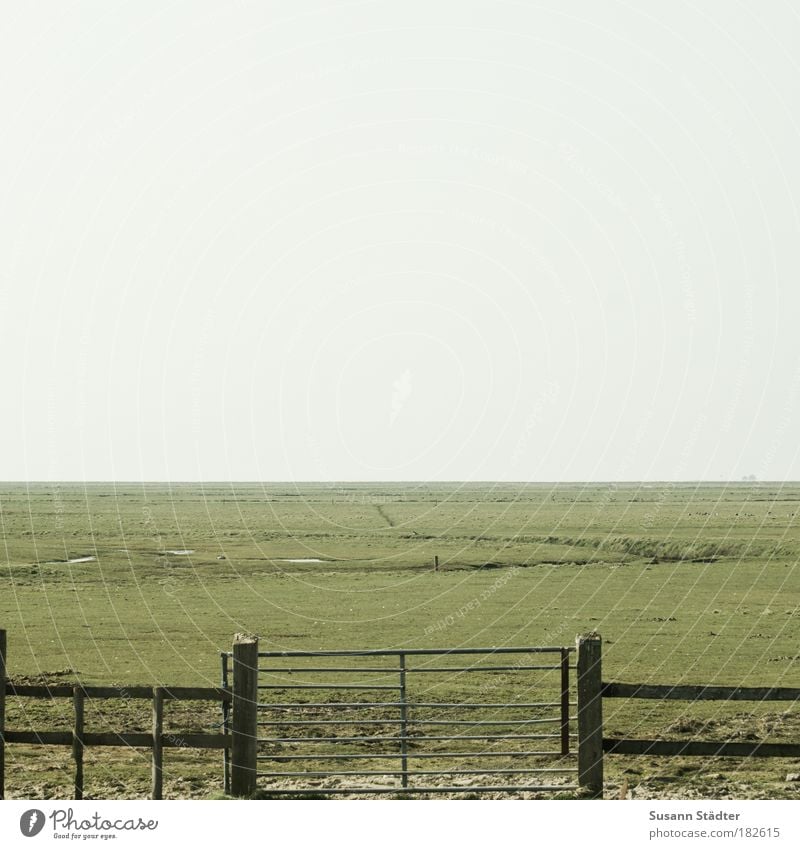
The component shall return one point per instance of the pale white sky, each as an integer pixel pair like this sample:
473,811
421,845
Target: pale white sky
418,240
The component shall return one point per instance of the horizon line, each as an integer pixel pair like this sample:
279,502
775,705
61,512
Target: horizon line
387,482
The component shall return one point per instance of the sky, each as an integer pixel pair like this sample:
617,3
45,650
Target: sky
429,240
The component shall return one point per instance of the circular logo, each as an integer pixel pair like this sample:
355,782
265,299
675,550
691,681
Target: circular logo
31,822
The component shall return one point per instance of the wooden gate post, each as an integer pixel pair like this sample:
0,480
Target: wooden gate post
2,714
157,768
77,739
590,714
244,720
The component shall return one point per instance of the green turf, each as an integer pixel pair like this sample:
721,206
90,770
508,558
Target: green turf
691,583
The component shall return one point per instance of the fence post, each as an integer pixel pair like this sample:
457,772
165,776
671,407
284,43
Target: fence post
157,776
244,722
590,714
226,726
77,739
2,714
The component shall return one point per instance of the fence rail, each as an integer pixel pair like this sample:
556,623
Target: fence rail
693,693
397,723
700,748
78,738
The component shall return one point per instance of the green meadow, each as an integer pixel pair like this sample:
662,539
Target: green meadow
147,584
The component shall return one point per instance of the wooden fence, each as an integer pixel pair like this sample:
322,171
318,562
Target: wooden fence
78,738
240,705
592,744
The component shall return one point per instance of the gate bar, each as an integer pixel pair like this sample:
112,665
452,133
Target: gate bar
416,652
389,756
338,705
377,739
416,772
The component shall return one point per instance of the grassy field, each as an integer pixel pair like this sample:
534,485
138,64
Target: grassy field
686,583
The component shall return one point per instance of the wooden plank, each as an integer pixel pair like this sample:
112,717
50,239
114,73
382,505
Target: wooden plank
206,694
118,692
56,691
197,741
692,748
77,742
157,777
137,739
40,738
109,738
3,647
244,723
39,691
226,709
590,714
687,692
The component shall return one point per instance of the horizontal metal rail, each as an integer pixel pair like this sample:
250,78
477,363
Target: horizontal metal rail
418,652
293,722
393,755
294,670
412,773
389,670
471,723
352,791
397,738
355,705
480,722
422,669
328,687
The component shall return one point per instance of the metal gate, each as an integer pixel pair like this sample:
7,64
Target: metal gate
415,721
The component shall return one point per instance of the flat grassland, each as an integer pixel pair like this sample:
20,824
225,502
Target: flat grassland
146,584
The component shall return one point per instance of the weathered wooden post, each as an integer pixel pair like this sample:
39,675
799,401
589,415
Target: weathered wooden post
244,721
77,739
2,714
157,777
590,714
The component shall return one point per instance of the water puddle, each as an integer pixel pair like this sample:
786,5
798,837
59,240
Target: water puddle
87,559
300,560
179,552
